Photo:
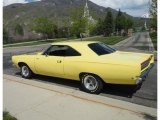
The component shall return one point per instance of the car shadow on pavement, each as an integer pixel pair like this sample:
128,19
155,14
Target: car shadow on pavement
53,80
109,89
120,90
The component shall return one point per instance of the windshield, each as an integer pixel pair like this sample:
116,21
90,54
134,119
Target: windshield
101,48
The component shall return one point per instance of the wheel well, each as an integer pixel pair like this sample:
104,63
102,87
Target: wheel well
82,73
21,63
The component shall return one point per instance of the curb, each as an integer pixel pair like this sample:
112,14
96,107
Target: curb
151,46
28,42
108,102
123,41
4,46
26,46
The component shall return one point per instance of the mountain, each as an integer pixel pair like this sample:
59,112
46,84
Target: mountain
57,10
54,9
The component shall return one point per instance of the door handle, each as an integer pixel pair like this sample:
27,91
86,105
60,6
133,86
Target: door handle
59,61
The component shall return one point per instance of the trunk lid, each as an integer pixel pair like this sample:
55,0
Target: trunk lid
127,58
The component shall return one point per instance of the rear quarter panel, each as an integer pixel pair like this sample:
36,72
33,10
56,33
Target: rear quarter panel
110,73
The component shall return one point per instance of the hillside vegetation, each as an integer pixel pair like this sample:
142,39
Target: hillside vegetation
18,19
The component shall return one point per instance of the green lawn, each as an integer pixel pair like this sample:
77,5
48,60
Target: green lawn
108,40
154,39
7,116
34,43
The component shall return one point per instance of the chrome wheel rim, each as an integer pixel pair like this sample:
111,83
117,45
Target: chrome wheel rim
25,71
90,82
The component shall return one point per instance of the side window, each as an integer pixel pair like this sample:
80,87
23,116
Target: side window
61,50
56,50
71,52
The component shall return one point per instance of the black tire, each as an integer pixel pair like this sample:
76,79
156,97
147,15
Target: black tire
98,87
28,74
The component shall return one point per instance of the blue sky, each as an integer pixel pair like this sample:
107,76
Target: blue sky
136,8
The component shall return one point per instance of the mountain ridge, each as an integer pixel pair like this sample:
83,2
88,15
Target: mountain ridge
50,8
56,10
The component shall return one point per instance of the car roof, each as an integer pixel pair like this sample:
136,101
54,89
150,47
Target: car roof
80,46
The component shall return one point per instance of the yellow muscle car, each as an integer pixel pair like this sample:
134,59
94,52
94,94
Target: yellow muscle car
93,63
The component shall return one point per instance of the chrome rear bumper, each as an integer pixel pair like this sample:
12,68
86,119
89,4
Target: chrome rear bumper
144,74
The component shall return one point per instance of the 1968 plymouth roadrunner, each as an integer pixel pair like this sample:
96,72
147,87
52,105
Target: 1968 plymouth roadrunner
93,63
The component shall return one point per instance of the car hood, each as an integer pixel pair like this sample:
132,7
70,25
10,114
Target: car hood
126,58
33,53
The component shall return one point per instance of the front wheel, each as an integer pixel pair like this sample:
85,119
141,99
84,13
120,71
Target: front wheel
91,83
25,71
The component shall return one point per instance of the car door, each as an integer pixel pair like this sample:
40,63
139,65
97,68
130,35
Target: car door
51,61
71,63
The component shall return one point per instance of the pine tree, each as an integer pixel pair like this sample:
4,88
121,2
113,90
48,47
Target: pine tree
117,24
108,24
121,22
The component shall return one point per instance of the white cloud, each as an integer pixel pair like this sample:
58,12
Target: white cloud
8,2
137,12
132,7
121,3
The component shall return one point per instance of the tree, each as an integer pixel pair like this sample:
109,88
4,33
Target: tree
5,36
78,22
108,24
117,24
62,32
67,27
98,28
78,27
19,29
123,22
45,26
153,12
129,23
120,21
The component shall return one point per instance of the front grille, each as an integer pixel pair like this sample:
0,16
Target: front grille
145,63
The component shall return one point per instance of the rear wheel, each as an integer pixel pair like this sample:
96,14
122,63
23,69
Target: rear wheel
91,83
25,71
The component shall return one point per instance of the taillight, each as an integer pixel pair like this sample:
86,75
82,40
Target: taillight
145,63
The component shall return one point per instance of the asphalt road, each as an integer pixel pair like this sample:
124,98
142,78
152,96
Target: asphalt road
144,95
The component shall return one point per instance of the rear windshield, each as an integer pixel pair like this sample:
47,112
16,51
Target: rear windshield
101,48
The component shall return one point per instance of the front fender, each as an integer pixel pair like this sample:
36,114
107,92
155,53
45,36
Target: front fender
27,59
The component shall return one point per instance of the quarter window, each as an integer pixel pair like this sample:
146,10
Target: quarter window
101,48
